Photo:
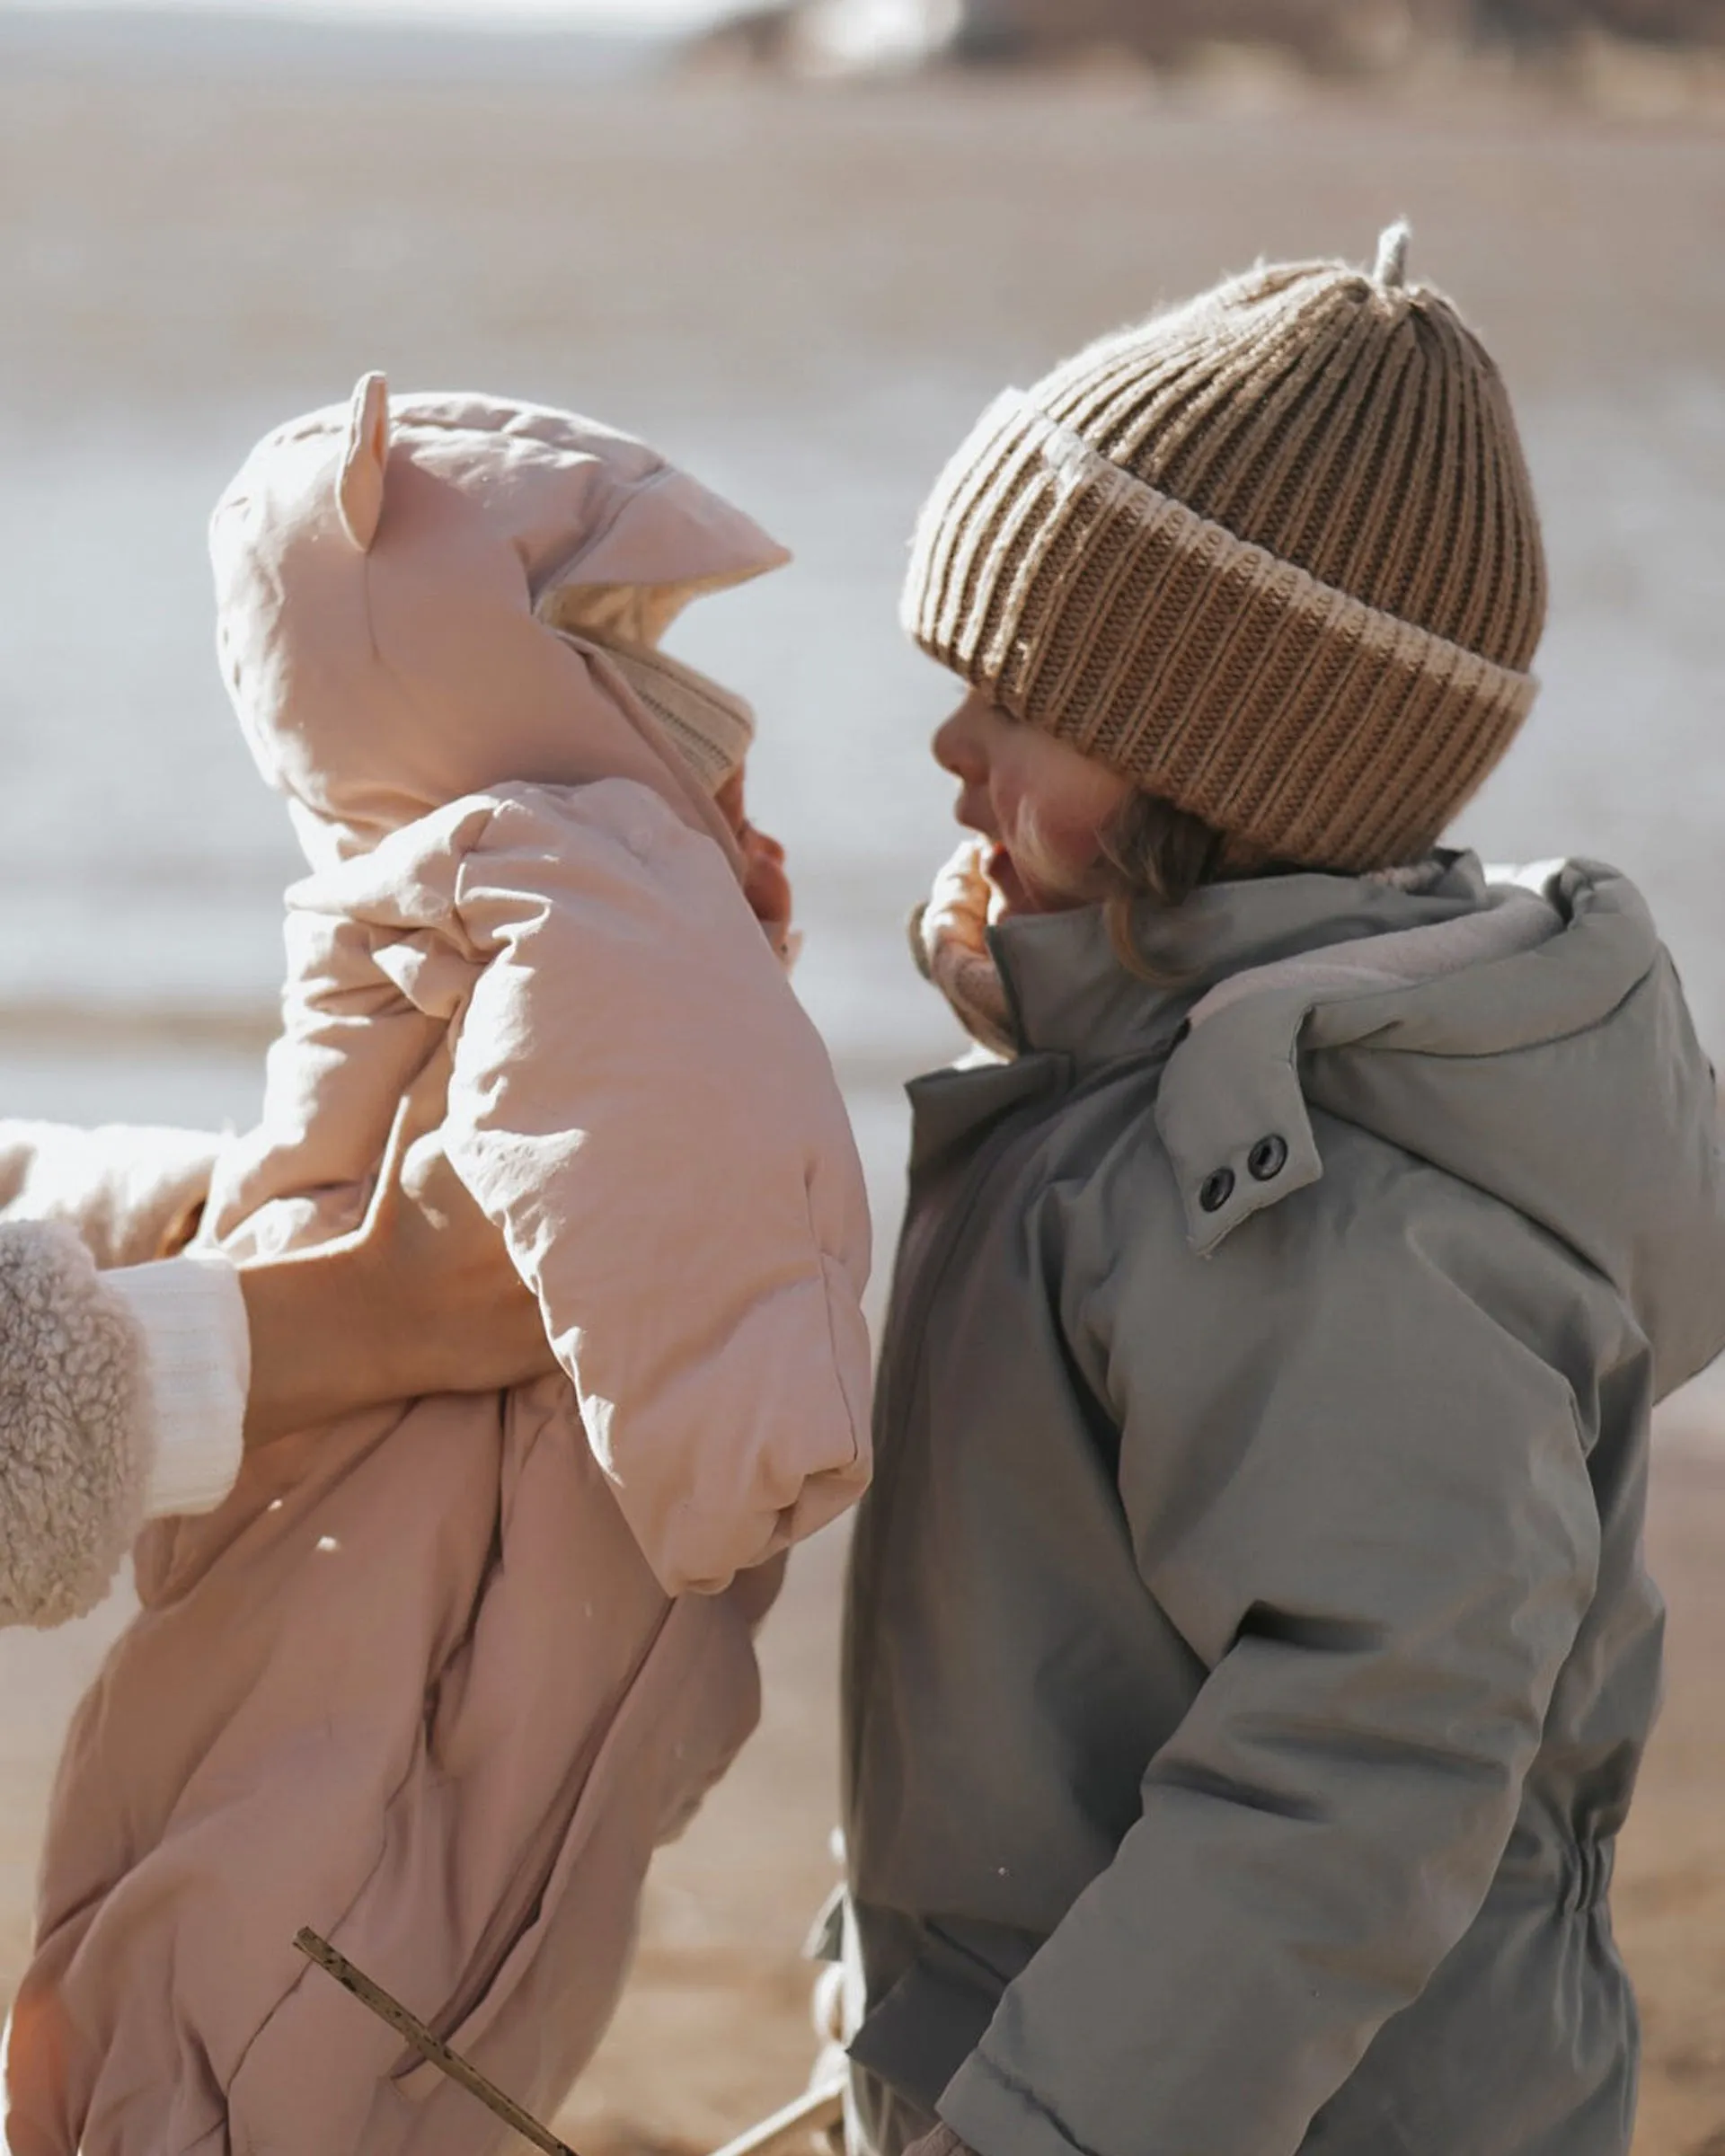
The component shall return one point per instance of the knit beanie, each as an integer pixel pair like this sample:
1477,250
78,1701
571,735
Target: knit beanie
1274,555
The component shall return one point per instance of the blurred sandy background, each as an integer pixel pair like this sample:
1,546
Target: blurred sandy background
807,294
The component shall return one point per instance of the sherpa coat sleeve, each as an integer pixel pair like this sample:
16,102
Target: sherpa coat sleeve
639,1102
122,1391
1361,1492
92,1367
74,1426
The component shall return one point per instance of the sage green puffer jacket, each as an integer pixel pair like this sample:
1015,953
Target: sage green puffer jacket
1249,1654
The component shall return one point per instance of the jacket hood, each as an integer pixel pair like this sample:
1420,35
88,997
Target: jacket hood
1525,1032
421,596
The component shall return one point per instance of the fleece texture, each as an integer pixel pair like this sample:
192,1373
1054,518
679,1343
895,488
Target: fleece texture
75,1435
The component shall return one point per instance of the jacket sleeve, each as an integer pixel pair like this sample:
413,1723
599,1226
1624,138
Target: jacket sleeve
640,1103
351,1045
198,1368
126,1392
122,1396
76,1429
1361,1496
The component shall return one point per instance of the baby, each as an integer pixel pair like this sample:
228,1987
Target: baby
437,1679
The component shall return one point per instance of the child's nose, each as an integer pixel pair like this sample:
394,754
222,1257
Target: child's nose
958,745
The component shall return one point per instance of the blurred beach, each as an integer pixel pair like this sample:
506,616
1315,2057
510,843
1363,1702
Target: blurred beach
806,295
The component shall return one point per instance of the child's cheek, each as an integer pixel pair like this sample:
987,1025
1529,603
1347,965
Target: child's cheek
1056,853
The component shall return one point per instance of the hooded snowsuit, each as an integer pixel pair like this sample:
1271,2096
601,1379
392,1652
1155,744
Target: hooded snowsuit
1249,1654
435,1680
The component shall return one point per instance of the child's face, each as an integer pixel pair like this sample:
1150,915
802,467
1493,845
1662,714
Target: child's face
1041,804
765,884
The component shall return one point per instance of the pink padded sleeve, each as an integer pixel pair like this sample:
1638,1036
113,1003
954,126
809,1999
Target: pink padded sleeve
641,1104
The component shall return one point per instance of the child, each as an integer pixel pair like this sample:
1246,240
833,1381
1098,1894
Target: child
1249,1651
435,1680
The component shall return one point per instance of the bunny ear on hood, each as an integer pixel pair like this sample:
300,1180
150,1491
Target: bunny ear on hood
359,484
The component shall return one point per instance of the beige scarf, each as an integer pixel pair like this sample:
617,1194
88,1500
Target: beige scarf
949,941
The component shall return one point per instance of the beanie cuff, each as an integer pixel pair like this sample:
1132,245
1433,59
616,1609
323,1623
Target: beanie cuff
1281,710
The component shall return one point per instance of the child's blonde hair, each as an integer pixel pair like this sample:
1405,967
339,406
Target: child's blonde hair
1148,849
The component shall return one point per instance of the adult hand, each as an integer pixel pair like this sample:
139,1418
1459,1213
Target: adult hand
420,1298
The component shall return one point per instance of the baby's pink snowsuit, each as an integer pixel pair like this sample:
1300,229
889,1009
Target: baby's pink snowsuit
436,1680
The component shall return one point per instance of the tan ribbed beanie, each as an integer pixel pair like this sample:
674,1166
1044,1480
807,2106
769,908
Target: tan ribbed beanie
1273,554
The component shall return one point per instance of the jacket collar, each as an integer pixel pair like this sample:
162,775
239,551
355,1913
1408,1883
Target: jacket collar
1231,1109
1070,993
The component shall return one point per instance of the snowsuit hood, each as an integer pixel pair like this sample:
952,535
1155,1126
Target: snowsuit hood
407,592
1526,1034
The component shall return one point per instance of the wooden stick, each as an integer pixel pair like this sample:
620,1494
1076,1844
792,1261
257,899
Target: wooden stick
428,2045
810,2114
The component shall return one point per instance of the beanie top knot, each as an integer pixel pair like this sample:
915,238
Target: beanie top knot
1273,553
1391,271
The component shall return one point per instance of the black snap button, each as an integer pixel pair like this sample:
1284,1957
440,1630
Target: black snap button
1218,1188
1267,1158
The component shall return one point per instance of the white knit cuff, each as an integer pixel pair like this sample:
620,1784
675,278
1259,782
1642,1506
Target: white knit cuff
198,1344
